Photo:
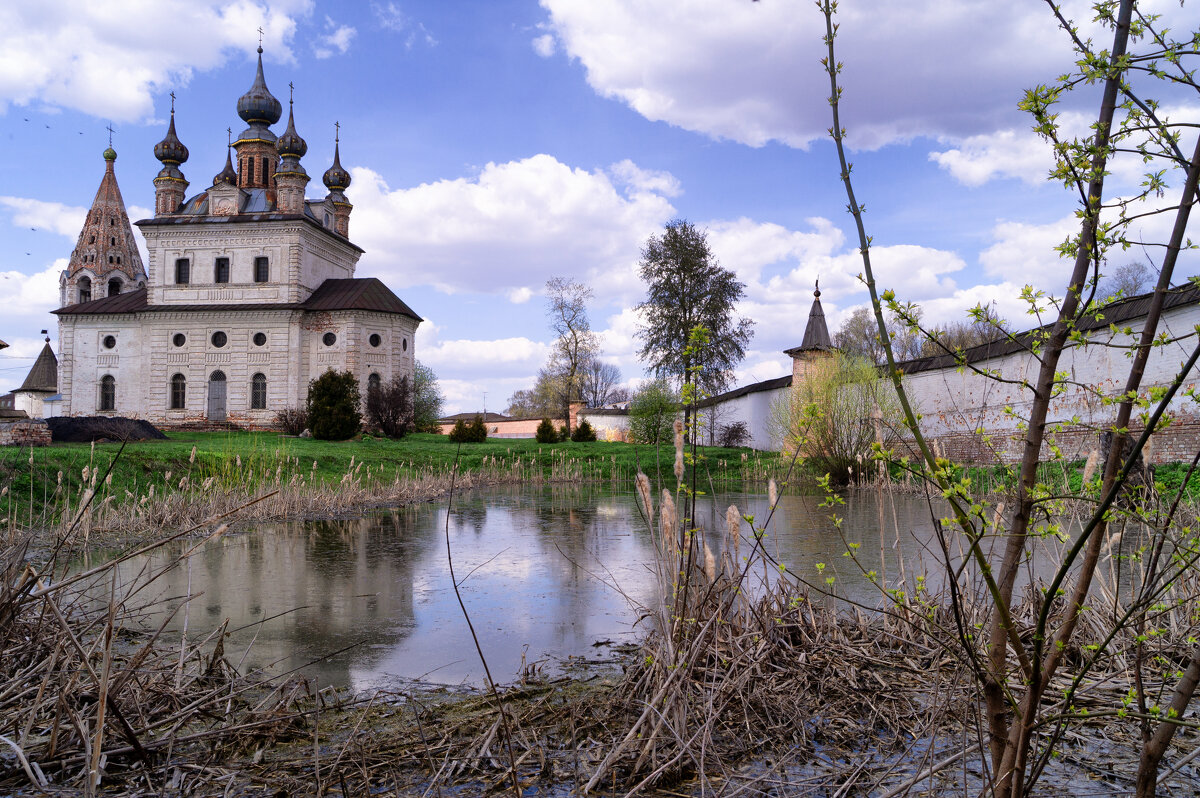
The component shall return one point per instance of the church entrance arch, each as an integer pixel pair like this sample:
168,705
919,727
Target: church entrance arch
216,396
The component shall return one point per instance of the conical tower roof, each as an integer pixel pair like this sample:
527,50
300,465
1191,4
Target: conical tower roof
106,243
43,377
816,333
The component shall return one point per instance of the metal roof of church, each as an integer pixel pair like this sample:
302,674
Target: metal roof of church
43,377
355,293
816,334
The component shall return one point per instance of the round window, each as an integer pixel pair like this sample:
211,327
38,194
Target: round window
110,341
179,339
375,340
329,339
405,344
260,338
219,339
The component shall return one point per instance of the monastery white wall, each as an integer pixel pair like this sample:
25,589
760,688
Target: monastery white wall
956,402
755,410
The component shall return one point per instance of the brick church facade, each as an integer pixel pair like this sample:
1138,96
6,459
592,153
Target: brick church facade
247,295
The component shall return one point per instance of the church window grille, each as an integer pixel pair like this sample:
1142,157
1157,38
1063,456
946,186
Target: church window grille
375,340
85,289
260,339
114,287
262,270
179,339
110,341
108,392
219,339
373,383
329,339
258,392
221,271
183,271
178,392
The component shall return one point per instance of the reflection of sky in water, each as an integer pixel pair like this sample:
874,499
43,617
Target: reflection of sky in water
536,567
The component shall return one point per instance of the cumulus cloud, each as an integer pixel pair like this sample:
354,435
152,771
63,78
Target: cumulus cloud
1005,153
66,220
515,224
336,39
544,45
486,358
31,296
71,55
749,71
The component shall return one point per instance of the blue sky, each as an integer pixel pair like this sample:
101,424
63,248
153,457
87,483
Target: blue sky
495,144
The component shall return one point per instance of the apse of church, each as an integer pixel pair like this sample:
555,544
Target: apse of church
247,295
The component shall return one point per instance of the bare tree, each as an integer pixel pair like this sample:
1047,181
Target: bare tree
599,384
1128,279
576,344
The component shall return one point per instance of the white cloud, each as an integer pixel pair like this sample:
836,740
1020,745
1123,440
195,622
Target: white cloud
66,220
515,224
89,56
544,45
337,39
519,296
750,71
392,18
1005,153
486,357
645,181
27,297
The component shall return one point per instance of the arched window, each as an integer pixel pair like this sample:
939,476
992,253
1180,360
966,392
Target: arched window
183,271
178,392
85,289
114,287
373,382
108,392
258,392
249,171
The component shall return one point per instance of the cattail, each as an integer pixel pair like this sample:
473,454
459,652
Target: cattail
167,476
1089,470
733,521
772,493
710,563
1148,451
643,489
86,471
192,459
678,450
670,523
998,516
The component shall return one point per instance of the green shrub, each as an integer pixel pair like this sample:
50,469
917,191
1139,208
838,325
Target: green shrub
564,434
475,432
584,433
390,407
332,406
652,413
545,432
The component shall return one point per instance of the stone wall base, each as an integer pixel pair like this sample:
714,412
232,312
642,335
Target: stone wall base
30,432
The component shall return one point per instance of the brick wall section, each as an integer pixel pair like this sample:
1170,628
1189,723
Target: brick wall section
31,432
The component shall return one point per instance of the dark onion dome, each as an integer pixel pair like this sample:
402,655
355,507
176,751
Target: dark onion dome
227,175
110,154
336,178
290,142
171,150
258,104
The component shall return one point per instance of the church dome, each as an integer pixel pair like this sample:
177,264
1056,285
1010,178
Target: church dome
226,175
336,178
258,104
290,142
171,150
110,154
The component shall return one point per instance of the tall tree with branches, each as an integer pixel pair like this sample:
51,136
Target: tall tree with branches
575,344
687,288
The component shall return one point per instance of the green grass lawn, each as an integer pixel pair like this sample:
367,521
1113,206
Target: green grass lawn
31,476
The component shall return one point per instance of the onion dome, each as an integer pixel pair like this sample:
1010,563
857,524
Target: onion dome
171,150
110,154
336,178
290,142
258,104
227,175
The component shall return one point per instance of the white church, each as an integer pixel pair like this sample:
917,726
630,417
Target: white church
248,294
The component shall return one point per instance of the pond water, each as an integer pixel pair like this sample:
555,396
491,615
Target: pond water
546,572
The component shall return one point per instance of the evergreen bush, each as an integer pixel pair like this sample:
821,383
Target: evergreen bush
475,432
545,432
584,433
564,434
332,407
